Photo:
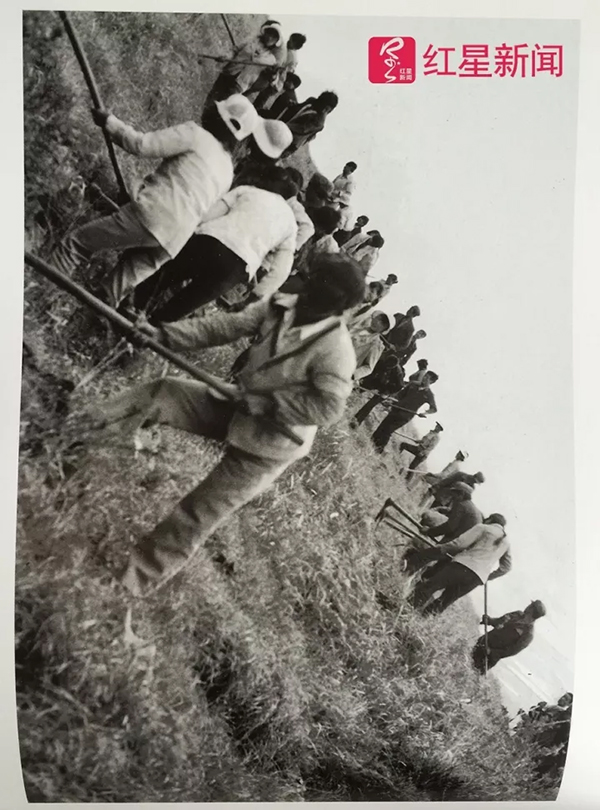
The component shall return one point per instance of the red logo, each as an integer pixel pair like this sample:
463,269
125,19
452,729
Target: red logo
392,60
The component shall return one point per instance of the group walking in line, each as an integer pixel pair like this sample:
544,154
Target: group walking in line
224,211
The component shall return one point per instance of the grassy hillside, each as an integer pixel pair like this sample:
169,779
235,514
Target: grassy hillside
268,669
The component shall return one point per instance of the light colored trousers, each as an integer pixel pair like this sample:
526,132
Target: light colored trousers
238,477
121,231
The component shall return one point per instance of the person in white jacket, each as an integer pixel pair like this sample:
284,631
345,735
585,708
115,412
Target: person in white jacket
248,228
173,200
480,554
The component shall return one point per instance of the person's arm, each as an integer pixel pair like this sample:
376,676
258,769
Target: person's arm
462,542
202,332
504,566
159,144
222,206
279,267
432,405
321,400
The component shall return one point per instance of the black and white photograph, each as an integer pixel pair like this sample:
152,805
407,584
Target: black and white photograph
296,487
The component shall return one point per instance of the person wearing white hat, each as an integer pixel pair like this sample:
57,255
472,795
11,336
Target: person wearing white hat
195,171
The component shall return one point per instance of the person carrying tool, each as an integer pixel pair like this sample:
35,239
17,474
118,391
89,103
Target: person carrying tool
442,490
174,199
298,373
479,555
404,407
273,83
421,448
417,376
462,514
250,60
510,635
404,328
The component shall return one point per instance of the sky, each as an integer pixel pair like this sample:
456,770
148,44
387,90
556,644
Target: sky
471,183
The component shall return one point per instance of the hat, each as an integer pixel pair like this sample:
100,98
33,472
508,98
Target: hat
239,116
272,137
438,426
539,608
392,278
273,25
497,518
461,456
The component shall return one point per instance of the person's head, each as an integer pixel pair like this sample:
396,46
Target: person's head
419,334
422,364
496,518
413,312
391,279
536,609
327,101
335,283
430,377
479,477
460,456
380,323
565,700
295,42
377,241
374,291
326,220
292,81
362,221
438,428
349,168
373,232
296,177
270,35
276,179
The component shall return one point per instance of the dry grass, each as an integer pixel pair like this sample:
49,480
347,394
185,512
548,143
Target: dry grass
274,674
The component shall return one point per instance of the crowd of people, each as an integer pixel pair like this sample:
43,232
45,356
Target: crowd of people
225,220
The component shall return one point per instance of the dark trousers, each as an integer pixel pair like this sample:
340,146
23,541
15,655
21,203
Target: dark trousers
453,579
392,422
370,404
478,655
414,450
202,271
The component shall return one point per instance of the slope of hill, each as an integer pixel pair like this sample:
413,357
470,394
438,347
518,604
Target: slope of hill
268,670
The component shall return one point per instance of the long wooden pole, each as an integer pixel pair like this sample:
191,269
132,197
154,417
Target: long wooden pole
485,623
76,290
94,93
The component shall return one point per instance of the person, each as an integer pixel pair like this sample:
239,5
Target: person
417,376
298,373
404,355
421,448
365,249
462,514
325,221
284,100
460,476
344,184
307,119
402,333
478,556
173,200
510,635
342,236
404,407
304,224
449,469
274,83
249,227
250,60
368,345
390,281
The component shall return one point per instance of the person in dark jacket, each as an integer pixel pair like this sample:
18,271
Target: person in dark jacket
510,635
404,407
343,236
285,100
462,515
404,329
307,119
404,355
